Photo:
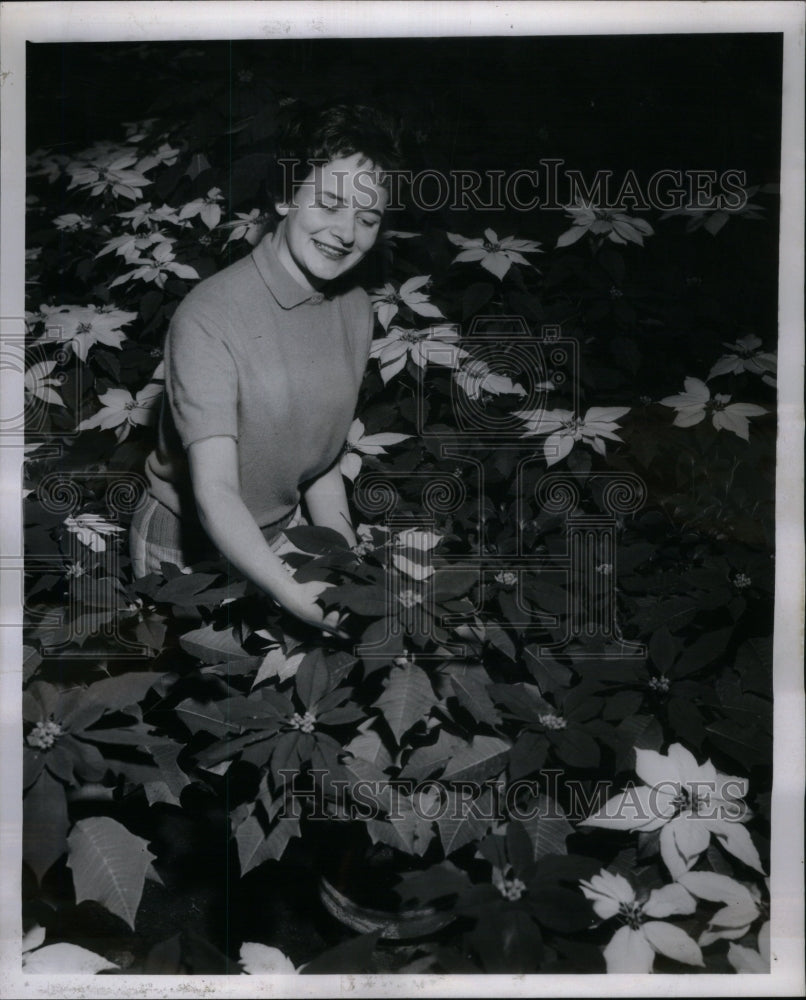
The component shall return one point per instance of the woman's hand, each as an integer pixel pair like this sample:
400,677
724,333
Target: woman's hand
225,518
300,599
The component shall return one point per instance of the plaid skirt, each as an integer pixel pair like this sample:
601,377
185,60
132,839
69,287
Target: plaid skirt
157,535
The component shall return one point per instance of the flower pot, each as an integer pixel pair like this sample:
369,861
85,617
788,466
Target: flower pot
357,882
401,925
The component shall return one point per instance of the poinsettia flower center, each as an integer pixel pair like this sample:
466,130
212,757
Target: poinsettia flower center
632,914
305,723
685,801
408,598
44,734
551,721
411,336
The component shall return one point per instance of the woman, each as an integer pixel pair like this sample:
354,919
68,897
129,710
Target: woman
263,364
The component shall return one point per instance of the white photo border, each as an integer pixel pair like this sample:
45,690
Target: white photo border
142,21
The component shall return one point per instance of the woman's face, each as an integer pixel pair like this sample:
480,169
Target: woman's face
333,220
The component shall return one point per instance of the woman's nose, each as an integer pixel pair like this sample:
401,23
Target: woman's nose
344,228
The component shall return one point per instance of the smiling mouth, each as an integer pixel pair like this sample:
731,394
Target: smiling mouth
332,253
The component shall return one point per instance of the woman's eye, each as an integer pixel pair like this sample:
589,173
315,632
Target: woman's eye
369,221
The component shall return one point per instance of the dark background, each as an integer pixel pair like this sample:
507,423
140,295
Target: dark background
639,101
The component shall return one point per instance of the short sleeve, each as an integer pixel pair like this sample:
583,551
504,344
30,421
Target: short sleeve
201,376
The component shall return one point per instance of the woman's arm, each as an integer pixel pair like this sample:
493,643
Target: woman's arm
326,501
231,527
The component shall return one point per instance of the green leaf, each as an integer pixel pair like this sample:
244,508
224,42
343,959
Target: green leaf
45,824
312,679
702,652
212,646
523,700
641,731
431,758
686,721
369,601
369,746
109,865
437,882
754,663
549,674
462,822
482,758
30,661
406,697
172,776
184,588
373,785
546,825
475,297
622,705
351,957
205,717
451,583
663,648
118,693
576,747
315,540
561,909
255,846
473,697
528,755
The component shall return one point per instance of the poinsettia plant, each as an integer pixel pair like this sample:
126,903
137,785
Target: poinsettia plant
527,627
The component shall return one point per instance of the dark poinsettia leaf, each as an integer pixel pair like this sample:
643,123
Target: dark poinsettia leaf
471,690
45,824
475,297
353,956
575,747
406,698
686,721
622,705
312,679
560,909
663,649
702,652
213,645
528,755
508,941
315,540
437,882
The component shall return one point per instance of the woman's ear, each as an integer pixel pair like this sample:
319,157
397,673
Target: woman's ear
282,207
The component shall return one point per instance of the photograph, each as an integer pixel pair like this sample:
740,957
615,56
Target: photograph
402,561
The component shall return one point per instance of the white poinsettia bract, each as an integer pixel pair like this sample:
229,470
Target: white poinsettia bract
495,254
695,403
41,383
688,802
742,904
564,429
606,223
645,933
120,411
263,960
746,355
359,444
84,326
437,344
91,530
387,300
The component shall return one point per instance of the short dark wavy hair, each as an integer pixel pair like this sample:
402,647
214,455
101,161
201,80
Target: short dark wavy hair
330,133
